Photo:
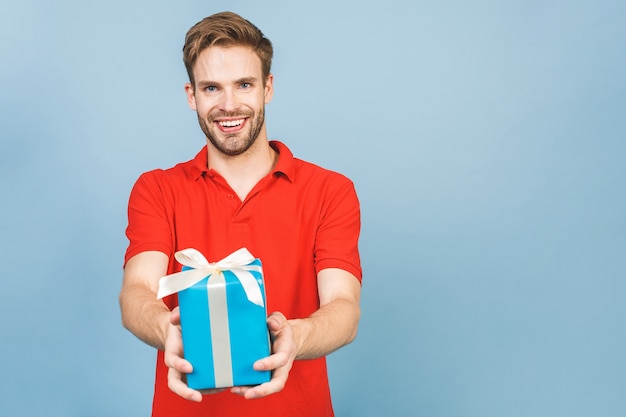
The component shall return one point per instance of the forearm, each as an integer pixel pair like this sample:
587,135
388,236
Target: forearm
332,326
144,315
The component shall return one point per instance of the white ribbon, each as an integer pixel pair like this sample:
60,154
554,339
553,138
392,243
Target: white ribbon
237,262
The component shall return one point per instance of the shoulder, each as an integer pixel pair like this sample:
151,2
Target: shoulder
324,188
322,180
312,169
175,176
306,173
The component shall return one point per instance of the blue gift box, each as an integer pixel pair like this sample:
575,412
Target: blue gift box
224,332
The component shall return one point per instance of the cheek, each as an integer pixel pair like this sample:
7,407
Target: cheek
203,109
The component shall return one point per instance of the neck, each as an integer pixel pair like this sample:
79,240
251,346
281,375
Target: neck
243,172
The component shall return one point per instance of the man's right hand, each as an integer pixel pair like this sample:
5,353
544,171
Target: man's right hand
178,366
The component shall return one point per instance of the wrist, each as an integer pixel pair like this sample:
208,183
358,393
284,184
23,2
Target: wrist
164,325
300,329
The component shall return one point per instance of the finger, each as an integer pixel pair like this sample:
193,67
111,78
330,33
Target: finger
181,365
276,384
177,385
280,366
173,355
272,362
175,316
276,321
240,390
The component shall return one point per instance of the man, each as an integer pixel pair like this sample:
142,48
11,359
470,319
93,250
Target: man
242,190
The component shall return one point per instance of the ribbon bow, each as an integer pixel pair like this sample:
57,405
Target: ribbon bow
237,262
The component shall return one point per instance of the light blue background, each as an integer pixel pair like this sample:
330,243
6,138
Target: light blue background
485,139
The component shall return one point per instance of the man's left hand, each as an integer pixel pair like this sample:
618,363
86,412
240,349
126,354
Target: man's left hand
284,350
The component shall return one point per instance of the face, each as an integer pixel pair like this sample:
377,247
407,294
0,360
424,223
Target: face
229,97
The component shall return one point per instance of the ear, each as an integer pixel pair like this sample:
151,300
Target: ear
269,88
191,96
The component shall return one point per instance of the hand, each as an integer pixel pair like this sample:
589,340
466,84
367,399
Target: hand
178,366
284,350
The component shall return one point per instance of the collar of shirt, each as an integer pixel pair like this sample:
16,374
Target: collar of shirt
284,166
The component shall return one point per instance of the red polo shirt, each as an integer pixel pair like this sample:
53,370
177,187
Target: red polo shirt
298,220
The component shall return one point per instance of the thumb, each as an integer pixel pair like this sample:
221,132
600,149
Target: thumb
175,317
276,321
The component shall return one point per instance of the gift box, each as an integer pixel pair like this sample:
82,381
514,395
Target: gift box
223,318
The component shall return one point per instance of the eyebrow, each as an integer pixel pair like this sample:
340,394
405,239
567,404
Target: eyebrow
205,83
250,80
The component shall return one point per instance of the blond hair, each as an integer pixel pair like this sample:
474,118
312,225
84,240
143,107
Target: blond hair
226,29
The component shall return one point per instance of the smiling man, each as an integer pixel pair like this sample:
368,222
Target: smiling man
229,96
243,190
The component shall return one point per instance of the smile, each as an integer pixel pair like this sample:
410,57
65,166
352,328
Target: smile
231,123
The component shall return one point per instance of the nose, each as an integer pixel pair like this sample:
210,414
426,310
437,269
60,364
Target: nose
229,101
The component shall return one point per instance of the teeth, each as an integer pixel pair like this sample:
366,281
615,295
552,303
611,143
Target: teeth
231,123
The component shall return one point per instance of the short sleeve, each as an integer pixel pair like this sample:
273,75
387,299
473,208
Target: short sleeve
336,243
149,217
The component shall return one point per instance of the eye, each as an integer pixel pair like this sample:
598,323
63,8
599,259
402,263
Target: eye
210,88
246,85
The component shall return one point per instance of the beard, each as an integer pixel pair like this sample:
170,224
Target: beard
233,144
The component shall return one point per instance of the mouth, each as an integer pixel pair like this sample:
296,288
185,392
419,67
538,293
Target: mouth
230,125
